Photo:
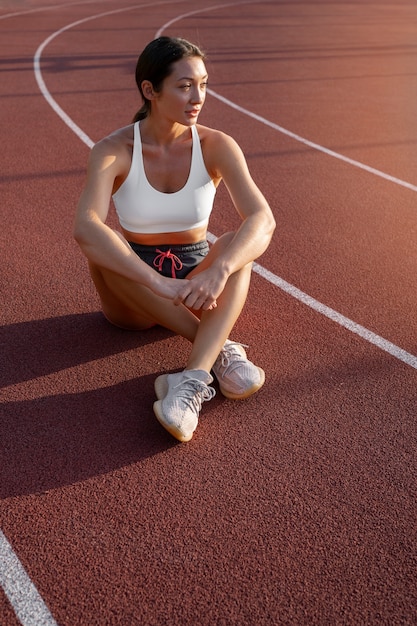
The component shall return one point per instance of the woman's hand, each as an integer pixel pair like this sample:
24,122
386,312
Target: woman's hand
195,293
202,290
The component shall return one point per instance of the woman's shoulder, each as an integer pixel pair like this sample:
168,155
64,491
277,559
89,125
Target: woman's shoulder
219,149
114,150
118,142
213,136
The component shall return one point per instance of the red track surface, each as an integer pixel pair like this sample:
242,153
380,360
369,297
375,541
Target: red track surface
297,506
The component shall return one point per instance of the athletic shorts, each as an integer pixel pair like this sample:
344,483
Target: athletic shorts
173,261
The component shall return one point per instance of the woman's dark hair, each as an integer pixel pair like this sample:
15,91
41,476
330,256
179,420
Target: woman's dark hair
155,64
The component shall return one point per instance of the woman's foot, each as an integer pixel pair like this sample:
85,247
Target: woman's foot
238,377
180,397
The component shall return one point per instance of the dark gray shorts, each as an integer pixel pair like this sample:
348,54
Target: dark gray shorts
173,261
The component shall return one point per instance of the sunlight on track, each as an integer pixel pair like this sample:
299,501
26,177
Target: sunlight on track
296,293
335,316
309,301
278,128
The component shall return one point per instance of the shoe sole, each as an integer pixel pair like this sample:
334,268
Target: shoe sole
248,392
161,390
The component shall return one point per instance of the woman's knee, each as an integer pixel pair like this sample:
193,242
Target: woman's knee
114,306
224,240
126,321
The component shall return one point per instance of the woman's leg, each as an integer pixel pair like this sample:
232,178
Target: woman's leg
134,307
181,395
216,325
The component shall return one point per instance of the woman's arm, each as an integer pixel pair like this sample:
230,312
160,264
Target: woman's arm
258,224
110,160
225,160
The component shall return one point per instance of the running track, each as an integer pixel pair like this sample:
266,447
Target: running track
297,506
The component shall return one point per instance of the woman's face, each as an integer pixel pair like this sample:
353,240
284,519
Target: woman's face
183,92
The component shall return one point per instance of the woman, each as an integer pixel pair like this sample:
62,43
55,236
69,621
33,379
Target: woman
162,172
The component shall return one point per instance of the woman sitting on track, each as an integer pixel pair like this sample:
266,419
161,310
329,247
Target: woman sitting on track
162,172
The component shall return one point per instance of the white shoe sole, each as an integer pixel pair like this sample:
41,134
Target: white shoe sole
248,392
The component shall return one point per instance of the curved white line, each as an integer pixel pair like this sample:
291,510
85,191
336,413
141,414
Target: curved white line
361,331
38,73
48,8
309,301
197,11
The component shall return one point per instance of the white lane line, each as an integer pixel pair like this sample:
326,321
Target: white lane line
335,316
22,594
28,605
313,145
309,301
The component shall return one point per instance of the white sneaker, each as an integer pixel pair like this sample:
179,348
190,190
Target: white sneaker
237,376
180,397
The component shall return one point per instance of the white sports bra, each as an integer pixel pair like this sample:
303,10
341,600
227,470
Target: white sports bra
143,209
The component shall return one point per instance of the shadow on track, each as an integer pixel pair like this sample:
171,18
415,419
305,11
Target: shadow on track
63,435
40,347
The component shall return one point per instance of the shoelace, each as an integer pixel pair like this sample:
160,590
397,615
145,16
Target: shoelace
160,258
230,357
195,392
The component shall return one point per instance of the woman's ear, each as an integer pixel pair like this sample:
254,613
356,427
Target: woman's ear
147,89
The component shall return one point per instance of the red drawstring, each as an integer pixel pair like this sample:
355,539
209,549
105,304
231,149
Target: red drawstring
160,258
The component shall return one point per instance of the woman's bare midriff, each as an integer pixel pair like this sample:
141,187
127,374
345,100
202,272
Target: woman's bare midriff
183,237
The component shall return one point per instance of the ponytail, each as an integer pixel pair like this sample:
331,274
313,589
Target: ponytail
142,113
